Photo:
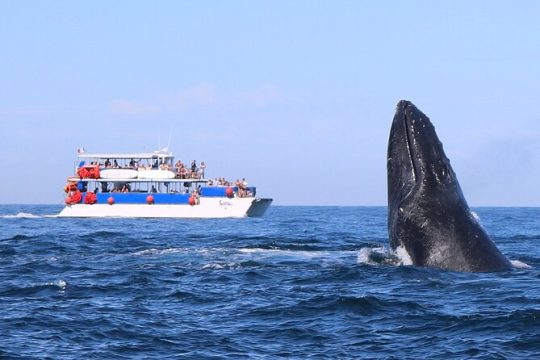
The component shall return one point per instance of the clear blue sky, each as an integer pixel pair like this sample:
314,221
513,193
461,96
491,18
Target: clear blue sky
292,95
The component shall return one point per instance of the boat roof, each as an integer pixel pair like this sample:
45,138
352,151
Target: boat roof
77,179
147,155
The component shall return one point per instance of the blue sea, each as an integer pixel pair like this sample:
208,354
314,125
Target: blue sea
301,282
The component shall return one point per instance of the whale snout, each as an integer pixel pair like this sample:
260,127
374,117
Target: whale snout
427,212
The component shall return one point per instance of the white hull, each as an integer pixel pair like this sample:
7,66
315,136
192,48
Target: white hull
208,208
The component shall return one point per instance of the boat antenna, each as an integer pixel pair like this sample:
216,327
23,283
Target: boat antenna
169,143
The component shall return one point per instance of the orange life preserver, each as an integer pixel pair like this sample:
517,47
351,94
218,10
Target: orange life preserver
88,172
74,197
71,186
90,198
93,172
83,172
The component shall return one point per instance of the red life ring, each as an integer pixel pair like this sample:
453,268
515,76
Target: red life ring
149,199
110,200
229,192
192,200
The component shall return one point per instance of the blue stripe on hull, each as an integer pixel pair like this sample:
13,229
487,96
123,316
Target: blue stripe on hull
140,198
219,191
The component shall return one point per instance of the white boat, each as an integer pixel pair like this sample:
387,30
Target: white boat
140,185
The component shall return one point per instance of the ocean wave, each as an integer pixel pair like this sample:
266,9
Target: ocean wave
221,266
104,234
525,237
300,254
371,304
35,289
20,237
158,252
21,215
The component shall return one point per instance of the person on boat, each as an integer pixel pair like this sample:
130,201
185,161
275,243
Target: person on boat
132,164
183,172
193,169
179,165
107,163
238,184
202,168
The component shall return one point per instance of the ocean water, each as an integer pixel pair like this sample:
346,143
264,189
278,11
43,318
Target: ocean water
302,282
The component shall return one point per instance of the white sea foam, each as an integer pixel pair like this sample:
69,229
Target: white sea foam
62,284
365,255
156,252
403,256
382,255
280,252
520,264
376,256
297,253
21,215
220,266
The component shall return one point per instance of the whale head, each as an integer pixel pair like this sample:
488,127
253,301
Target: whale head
428,215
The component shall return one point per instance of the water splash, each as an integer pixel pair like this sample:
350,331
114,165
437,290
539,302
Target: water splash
520,264
383,255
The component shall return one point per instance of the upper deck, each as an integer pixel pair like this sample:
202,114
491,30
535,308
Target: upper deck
162,154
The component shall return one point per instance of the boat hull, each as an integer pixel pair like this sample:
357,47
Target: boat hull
207,208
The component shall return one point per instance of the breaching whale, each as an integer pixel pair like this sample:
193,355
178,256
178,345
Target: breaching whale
428,215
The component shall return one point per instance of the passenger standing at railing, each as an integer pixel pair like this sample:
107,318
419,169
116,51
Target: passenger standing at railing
202,168
183,172
193,169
